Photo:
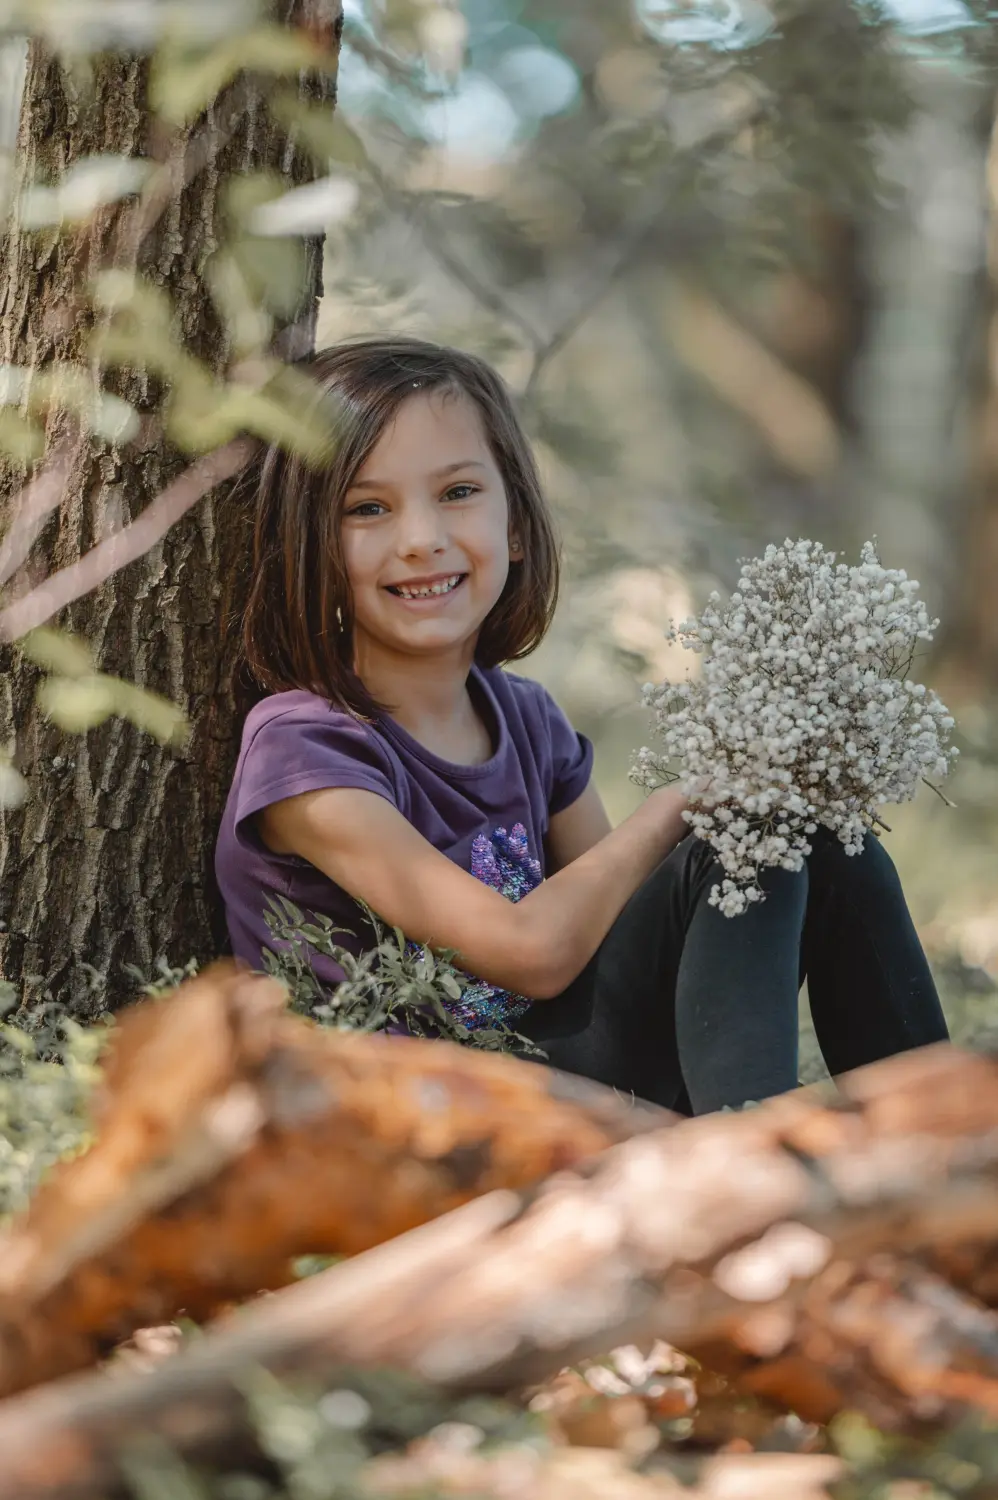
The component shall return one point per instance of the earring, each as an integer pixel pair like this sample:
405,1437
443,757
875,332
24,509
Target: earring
339,618
515,547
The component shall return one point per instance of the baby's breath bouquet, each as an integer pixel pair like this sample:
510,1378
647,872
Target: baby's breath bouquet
804,713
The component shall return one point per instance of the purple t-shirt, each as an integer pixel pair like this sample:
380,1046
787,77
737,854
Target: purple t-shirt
491,819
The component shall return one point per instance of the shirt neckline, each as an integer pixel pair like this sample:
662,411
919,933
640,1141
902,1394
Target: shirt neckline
402,737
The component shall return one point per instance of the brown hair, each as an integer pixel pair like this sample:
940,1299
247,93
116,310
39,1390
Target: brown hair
296,627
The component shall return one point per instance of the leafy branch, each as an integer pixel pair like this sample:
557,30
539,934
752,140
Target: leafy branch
394,985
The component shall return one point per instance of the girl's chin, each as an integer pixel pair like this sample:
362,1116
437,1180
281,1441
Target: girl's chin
419,637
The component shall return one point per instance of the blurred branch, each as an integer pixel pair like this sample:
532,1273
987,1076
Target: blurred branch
621,257
787,411
125,546
600,284
411,207
633,239
381,57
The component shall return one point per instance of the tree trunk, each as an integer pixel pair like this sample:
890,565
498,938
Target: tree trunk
110,860
968,649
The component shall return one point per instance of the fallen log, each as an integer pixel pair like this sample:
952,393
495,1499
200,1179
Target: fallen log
596,1474
757,1240
233,1137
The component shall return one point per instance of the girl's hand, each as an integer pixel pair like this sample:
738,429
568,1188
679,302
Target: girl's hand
701,790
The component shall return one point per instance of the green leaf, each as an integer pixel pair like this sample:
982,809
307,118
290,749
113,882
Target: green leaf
141,332
242,194
20,1040
274,271
116,290
119,292
87,185
20,438
323,131
13,383
201,419
307,433
157,716
77,703
58,651
199,422
248,325
112,419
13,787
73,388
309,209
185,81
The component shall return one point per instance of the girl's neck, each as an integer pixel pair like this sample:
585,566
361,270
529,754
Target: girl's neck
429,698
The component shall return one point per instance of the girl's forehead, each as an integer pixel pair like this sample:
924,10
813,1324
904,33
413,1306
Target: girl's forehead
432,427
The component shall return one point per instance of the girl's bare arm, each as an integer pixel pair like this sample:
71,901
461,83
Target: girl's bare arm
534,947
576,829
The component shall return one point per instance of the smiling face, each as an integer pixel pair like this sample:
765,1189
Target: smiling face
425,533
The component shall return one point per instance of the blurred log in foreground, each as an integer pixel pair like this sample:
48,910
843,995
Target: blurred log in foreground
233,1137
783,1245
595,1474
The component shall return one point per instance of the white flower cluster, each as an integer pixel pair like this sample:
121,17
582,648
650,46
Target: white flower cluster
804,713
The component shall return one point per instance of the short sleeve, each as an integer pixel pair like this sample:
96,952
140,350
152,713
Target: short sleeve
571,756
297,752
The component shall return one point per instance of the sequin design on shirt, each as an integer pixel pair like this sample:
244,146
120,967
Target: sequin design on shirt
502,860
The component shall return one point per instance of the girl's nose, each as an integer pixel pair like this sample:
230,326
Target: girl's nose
422,529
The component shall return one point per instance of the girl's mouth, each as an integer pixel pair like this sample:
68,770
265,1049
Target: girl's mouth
412,592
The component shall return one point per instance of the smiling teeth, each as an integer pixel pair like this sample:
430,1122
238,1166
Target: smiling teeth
433,588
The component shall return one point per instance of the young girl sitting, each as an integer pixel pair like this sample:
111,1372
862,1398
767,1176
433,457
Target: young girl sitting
397,763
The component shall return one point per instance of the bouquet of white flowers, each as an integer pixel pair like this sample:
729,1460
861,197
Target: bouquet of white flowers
804,713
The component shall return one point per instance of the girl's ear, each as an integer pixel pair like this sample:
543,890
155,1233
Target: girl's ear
515,549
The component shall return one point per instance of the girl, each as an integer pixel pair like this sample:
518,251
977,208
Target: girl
395,761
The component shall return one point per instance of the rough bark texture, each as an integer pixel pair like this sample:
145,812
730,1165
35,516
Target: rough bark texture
110,860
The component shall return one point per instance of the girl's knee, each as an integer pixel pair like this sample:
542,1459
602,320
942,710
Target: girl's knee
777,884
829,858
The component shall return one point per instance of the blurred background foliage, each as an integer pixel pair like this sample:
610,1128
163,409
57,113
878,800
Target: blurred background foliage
738,259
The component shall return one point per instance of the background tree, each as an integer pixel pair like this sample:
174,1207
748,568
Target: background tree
108,861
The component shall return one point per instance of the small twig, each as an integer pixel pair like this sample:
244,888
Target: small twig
598,287
487,295
544,349
939,793
631,242
31,508
125,546
374,53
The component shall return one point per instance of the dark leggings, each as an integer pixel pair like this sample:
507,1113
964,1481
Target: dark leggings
695,1010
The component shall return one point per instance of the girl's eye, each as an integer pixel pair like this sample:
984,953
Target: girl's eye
366,508
461,491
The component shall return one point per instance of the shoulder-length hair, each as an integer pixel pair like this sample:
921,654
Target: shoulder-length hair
297,623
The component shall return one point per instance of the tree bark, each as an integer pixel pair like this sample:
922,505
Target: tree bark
968,649
110,860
